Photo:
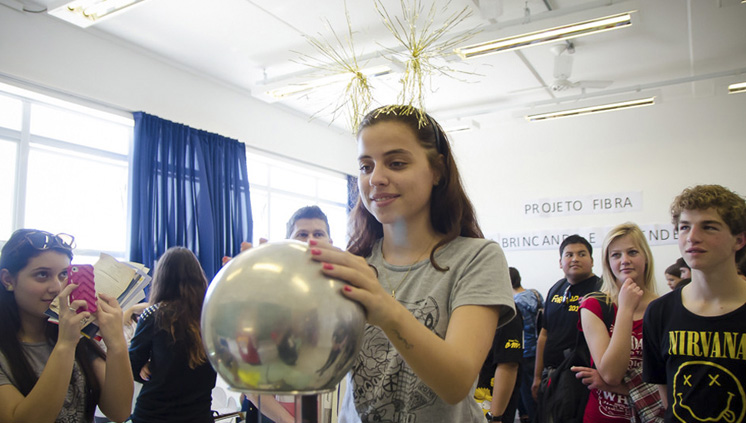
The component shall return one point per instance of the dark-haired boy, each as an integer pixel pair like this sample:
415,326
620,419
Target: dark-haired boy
559,326
695,338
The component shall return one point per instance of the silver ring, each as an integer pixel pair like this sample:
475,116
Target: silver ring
72,309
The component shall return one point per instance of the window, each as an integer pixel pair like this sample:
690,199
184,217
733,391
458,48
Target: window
280,186
67,170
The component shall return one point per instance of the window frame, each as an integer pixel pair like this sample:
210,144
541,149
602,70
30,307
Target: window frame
25,141
268,190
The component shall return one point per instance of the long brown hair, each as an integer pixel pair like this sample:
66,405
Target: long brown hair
179,286
16,254
451,211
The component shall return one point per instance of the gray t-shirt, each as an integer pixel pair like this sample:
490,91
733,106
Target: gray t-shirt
381,386
73,409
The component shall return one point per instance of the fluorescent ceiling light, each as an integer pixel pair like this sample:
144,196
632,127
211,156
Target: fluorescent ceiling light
593,26
739,87
301,87
85,13
592,109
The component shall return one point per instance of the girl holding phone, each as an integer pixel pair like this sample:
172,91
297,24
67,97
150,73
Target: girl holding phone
48,372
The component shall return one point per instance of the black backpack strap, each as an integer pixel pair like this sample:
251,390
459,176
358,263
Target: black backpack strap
607,309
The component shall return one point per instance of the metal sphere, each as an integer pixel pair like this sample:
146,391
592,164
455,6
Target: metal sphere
273,323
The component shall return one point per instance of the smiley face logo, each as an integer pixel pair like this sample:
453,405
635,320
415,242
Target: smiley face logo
707,392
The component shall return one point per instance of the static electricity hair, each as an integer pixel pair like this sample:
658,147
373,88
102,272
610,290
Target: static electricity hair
15,256
179,286
609,286
308,212
451,212
730,206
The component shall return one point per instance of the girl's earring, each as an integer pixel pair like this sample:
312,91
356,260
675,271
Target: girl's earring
9,288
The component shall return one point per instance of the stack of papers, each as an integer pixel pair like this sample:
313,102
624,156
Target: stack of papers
125,281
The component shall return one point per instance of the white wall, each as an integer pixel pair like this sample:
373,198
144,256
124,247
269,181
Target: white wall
659,150
49,52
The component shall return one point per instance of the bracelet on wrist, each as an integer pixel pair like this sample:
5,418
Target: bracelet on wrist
491,418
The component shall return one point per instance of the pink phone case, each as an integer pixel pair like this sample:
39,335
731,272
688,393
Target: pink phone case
82,275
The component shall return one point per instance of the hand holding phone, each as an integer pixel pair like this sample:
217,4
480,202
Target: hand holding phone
82,275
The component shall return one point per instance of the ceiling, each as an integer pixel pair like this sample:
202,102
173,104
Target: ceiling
254,45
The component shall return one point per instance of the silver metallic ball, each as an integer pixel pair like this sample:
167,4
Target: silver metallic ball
273,323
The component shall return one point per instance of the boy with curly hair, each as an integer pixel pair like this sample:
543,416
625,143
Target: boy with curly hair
695,337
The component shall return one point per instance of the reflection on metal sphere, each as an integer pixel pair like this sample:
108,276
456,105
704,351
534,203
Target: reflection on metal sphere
273,323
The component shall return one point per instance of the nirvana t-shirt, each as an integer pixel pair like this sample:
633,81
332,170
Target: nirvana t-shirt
701,359
561,317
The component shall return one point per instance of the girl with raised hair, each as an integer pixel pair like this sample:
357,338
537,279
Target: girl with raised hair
433,288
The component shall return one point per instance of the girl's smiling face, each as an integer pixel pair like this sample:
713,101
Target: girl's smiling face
396,179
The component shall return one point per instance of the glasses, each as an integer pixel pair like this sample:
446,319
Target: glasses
44,240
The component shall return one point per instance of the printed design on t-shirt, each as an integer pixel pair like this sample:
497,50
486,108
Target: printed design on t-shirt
513,344
74,405
705,344
611,404
572,301
704,391
614,405
386,388
635,359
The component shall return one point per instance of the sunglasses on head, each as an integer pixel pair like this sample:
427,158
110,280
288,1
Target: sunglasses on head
42,240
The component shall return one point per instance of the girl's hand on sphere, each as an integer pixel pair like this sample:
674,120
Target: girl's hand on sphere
363,281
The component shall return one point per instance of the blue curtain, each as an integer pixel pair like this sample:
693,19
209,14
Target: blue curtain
189,188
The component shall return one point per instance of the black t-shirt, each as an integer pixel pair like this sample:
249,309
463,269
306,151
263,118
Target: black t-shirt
561,317
507,347
174,393
702,360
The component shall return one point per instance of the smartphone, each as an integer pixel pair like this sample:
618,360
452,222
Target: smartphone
82,275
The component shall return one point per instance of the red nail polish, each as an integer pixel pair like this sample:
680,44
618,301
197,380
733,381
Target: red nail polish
315,251
328,266
313,242
347,288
